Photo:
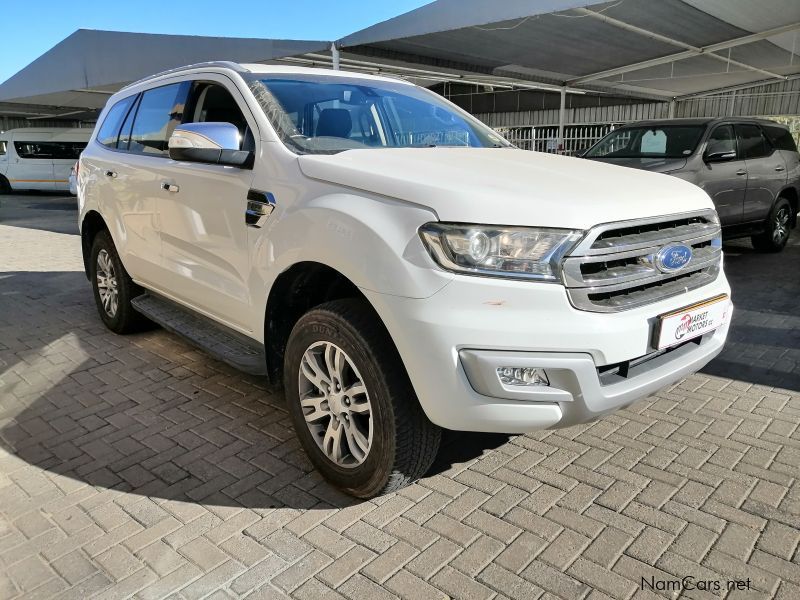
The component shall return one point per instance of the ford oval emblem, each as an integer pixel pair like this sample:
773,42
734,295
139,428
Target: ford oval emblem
673,257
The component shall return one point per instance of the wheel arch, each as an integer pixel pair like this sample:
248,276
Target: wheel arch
295,291
92,224
790,193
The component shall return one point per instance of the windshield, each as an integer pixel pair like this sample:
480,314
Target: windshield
660,141
322,114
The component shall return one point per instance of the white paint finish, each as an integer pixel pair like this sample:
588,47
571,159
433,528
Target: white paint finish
507,186
359,212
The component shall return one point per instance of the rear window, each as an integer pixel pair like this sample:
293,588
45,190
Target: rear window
780,138
49,150
109,130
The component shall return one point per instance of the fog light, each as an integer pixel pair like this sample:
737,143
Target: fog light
522,376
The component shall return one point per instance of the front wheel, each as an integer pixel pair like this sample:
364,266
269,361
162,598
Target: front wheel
352,404
778,228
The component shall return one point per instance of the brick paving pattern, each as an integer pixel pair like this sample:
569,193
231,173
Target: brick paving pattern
139,467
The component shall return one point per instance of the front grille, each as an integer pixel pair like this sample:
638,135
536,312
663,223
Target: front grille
613,267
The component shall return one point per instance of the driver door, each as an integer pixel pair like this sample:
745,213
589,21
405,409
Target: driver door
204,237
725,182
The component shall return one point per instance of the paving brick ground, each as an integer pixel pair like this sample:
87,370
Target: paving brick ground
139,467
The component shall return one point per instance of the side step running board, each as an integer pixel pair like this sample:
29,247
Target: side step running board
222,343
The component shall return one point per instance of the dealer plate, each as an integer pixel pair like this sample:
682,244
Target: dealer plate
691,321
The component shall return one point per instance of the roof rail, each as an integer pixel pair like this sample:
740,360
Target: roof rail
227,64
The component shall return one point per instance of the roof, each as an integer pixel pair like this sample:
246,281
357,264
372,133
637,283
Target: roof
88,66
666,49
658,50
700,121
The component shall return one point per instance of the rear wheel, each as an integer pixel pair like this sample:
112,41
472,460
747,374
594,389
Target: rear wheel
113,287
352,403
5,187
779,226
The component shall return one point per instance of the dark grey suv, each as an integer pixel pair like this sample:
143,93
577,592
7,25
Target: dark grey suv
749,167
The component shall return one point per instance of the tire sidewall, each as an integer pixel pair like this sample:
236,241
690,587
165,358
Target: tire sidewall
781,202
319,326
103,242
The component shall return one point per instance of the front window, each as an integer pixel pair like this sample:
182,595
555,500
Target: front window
662,141
324,114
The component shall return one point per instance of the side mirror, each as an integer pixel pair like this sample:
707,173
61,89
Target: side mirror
719,152
209,143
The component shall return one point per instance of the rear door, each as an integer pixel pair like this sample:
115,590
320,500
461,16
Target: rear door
766,171
725,182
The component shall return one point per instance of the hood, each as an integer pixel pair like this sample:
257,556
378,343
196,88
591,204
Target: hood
507,186
654,165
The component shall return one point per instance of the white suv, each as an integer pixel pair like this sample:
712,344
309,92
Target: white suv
392,261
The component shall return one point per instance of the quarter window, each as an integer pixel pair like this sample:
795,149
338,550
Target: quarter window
160,111
109,130
752,143
781,138
2,147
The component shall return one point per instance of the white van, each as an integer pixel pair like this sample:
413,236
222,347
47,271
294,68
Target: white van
39,158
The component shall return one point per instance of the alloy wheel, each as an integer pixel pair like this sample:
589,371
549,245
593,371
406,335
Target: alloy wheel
107,283
335,404
780,229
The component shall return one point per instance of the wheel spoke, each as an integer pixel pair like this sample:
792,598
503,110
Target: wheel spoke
356,442
317,411
332,443
314,372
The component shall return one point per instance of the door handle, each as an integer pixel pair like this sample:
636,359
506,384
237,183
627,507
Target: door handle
112,174
170,187
741,172
779,169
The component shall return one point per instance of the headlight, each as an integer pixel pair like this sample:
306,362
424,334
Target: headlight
517,252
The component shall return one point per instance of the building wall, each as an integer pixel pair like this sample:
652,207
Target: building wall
777,99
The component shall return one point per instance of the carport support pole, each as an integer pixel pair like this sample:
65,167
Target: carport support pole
671,113
561,114
335,55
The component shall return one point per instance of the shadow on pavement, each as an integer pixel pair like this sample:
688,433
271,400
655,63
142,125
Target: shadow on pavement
147,414
46,211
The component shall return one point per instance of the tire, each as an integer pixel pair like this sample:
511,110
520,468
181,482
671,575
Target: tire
401,441
5,186
778,228
120,316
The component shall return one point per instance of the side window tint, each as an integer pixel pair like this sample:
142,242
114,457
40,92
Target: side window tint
109,130
721,140
160,111
752,143
781,138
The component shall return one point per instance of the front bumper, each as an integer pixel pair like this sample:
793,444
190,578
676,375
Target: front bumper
453,342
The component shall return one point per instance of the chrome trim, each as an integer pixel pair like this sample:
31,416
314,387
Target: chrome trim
588,246
580,296
639,250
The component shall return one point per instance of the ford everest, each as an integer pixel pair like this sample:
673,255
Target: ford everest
393,262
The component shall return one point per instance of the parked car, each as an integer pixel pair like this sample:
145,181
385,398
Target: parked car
749,167
390,260
73,179
35,158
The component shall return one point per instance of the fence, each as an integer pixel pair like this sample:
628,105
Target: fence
544,138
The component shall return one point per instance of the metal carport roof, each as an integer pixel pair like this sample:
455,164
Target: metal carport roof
663,49
89,65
